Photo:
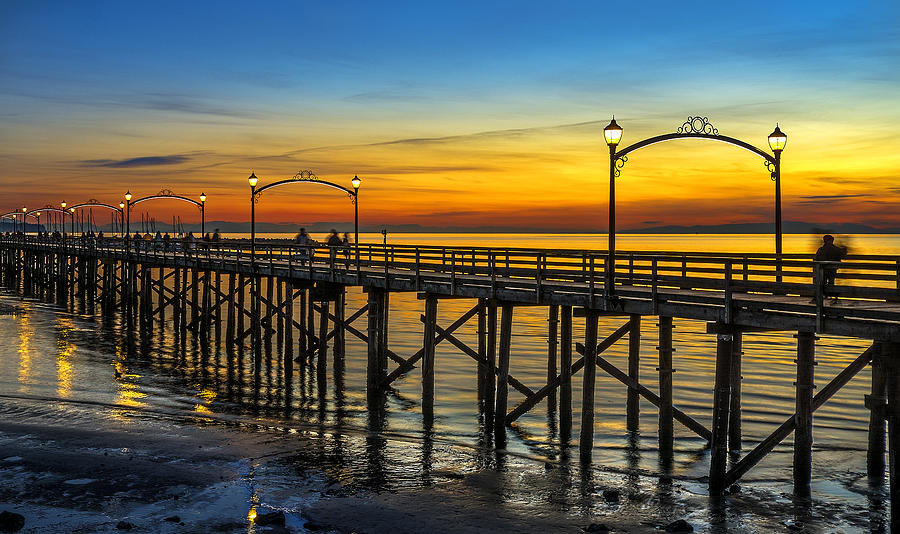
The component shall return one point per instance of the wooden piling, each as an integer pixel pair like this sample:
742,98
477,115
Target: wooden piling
481,370
552,345
806,346
633,401
586,443
721,401
490,383
373,367
892,381
506,316
734,421
876,402
428,358
321,364
565,384
665,370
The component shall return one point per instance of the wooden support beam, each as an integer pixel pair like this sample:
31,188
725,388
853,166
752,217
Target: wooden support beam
665,370
633,400
506,316
734,413
718,462
876,402
287,357
892,379
428,359
806,347
321,365
767,445
565,377
552,345
373,371
481,370
490,386
586,442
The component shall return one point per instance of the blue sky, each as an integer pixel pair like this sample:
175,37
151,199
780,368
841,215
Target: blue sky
200,92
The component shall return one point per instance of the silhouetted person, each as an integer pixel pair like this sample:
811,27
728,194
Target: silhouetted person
334,240
303,239
215,236
829,252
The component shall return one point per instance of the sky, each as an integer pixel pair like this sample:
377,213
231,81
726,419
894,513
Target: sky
453,113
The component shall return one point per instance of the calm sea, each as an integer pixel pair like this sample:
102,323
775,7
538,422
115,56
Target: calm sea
54,353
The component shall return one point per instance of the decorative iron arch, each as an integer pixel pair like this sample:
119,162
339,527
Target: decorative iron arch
94,203
168,194
695,127
305,176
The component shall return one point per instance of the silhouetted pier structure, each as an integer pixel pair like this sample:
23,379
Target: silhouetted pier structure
278,291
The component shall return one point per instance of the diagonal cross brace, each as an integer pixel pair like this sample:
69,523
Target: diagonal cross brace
551,386
765,446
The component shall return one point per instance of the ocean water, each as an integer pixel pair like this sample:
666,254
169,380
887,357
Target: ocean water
78,361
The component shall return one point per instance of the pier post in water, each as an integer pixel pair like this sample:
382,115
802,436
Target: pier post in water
875,402
806,347
633,401
734,423
552,344
892,379
506,315
721,401
586,442
428,359
565,383
666,418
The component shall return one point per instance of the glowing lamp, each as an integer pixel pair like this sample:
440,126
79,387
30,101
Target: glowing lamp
777,139
128,195
613,133
253,179
202,197
24,209
121,205
63,204
356,181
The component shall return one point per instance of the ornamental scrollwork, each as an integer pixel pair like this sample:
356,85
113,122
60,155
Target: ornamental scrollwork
306,175
166,193
698,125
620,164
92,201
771,168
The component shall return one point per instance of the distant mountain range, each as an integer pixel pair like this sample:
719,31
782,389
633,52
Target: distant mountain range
228,227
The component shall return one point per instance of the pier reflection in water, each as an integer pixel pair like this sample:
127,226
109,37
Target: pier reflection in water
385,444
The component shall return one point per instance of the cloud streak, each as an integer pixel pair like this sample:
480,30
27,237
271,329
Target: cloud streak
144,161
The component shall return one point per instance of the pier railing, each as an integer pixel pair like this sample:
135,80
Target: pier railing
875,277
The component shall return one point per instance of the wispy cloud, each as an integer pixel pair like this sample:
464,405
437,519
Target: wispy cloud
831,197
144,161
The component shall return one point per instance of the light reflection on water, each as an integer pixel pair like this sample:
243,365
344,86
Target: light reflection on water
72,356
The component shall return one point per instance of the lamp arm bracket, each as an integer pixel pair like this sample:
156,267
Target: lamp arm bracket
620,164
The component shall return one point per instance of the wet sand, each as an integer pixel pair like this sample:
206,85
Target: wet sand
73,477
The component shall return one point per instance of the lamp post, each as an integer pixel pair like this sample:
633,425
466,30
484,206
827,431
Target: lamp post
63,206
253,181
127,219
777,140
24,223
202,214
121,217
356,182
613,134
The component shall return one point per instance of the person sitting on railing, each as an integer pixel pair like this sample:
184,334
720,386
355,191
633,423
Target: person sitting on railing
167,242
833,254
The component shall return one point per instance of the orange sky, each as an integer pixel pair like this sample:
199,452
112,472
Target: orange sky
491,129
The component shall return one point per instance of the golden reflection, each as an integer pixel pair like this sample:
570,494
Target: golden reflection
206,397
64,370
251,513
26,333
128,392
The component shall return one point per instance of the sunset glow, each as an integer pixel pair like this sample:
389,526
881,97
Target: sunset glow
461,114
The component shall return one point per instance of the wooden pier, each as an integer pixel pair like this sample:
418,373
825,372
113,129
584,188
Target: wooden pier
299,293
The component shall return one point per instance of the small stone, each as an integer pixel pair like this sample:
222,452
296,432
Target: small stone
124,525
173,519
11,521
734,488
679,526
611,495
598,528
271,518
793,526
